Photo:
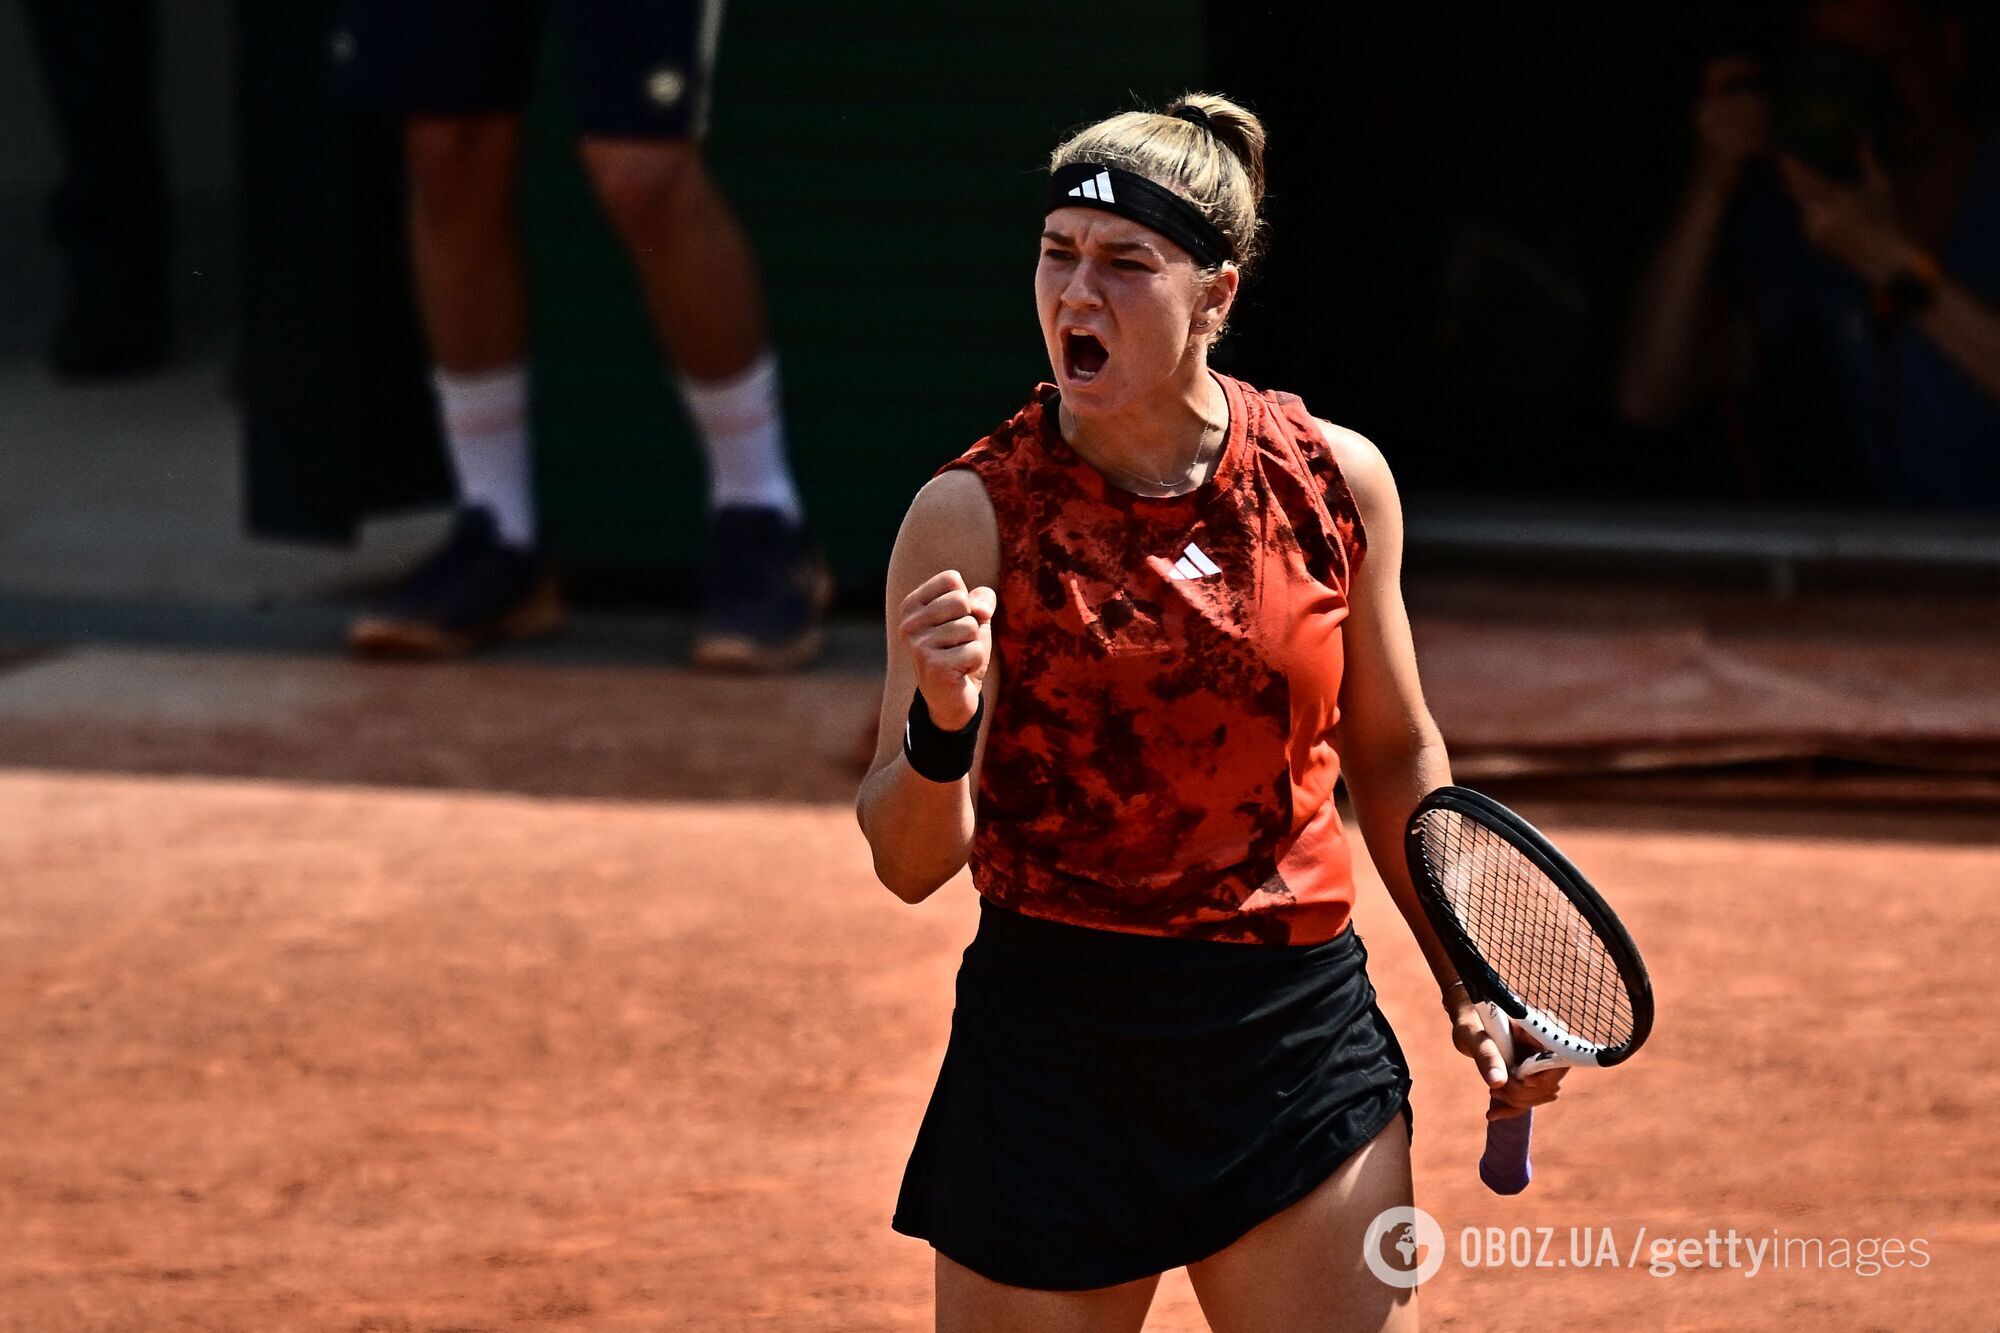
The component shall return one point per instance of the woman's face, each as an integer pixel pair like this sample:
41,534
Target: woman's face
1120,305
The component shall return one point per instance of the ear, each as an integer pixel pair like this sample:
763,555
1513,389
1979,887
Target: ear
1213,302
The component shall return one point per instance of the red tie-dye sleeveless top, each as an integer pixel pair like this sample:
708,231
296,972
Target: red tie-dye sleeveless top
1160,756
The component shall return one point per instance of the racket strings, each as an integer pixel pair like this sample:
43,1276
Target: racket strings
1526,928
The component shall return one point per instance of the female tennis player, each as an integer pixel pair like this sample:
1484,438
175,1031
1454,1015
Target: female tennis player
1134,636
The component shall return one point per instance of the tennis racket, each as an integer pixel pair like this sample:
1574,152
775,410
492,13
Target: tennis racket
1536,947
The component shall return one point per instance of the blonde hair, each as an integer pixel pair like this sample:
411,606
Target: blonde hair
1219,168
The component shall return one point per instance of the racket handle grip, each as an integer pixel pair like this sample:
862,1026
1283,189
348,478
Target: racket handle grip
1505,1167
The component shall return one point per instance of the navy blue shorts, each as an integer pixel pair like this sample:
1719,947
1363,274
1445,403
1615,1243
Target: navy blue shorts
635,68
1112,1106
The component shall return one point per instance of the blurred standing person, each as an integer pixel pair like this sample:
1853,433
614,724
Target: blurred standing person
109,215
459,72
1857,204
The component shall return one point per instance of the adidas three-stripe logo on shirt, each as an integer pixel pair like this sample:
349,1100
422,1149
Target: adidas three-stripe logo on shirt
1194,564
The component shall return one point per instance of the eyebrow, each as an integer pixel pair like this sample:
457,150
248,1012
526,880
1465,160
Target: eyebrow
1117,247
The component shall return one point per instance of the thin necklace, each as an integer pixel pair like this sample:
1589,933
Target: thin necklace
1160,490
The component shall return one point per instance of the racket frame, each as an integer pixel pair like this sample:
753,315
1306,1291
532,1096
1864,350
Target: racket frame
1480,979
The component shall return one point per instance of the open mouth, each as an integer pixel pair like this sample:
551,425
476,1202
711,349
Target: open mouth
1083,356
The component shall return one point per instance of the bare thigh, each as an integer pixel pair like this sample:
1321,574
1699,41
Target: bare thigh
969,1303
1301,1271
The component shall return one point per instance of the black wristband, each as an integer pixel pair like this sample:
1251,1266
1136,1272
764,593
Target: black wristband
937,754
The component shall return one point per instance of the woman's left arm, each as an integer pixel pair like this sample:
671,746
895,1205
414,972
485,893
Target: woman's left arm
1391,754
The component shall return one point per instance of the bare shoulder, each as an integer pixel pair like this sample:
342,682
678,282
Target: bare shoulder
1365,470
951,525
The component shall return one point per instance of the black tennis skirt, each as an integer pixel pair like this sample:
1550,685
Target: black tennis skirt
1113,1105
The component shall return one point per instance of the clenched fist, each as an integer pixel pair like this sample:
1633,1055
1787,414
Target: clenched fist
948,629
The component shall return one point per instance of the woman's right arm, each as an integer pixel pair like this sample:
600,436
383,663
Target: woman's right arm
939,604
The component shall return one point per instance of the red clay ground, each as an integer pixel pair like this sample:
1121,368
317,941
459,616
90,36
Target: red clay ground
319,1057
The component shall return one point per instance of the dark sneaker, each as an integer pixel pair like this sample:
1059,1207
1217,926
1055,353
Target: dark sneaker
473,591
767,586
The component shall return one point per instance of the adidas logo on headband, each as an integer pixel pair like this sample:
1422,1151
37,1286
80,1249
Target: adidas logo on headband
1099,187
1091,185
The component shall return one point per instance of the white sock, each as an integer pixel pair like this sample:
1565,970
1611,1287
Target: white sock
485,417
743,430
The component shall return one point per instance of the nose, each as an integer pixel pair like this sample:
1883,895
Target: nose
1080,292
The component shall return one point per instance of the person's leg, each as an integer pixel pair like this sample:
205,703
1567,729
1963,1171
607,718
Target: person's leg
487,584
465,238
457,71
639,75
110,214
465,248
695,267
969,1303
701,287
1303,1268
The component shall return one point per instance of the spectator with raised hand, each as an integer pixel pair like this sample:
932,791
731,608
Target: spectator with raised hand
1853,201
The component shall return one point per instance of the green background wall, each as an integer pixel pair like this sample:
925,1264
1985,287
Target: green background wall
886,159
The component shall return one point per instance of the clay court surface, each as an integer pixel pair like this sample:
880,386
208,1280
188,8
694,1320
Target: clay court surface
353,1050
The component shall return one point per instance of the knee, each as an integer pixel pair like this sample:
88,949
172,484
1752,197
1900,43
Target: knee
463,149
643,186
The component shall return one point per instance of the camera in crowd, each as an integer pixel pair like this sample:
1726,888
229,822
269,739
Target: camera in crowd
1829,102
